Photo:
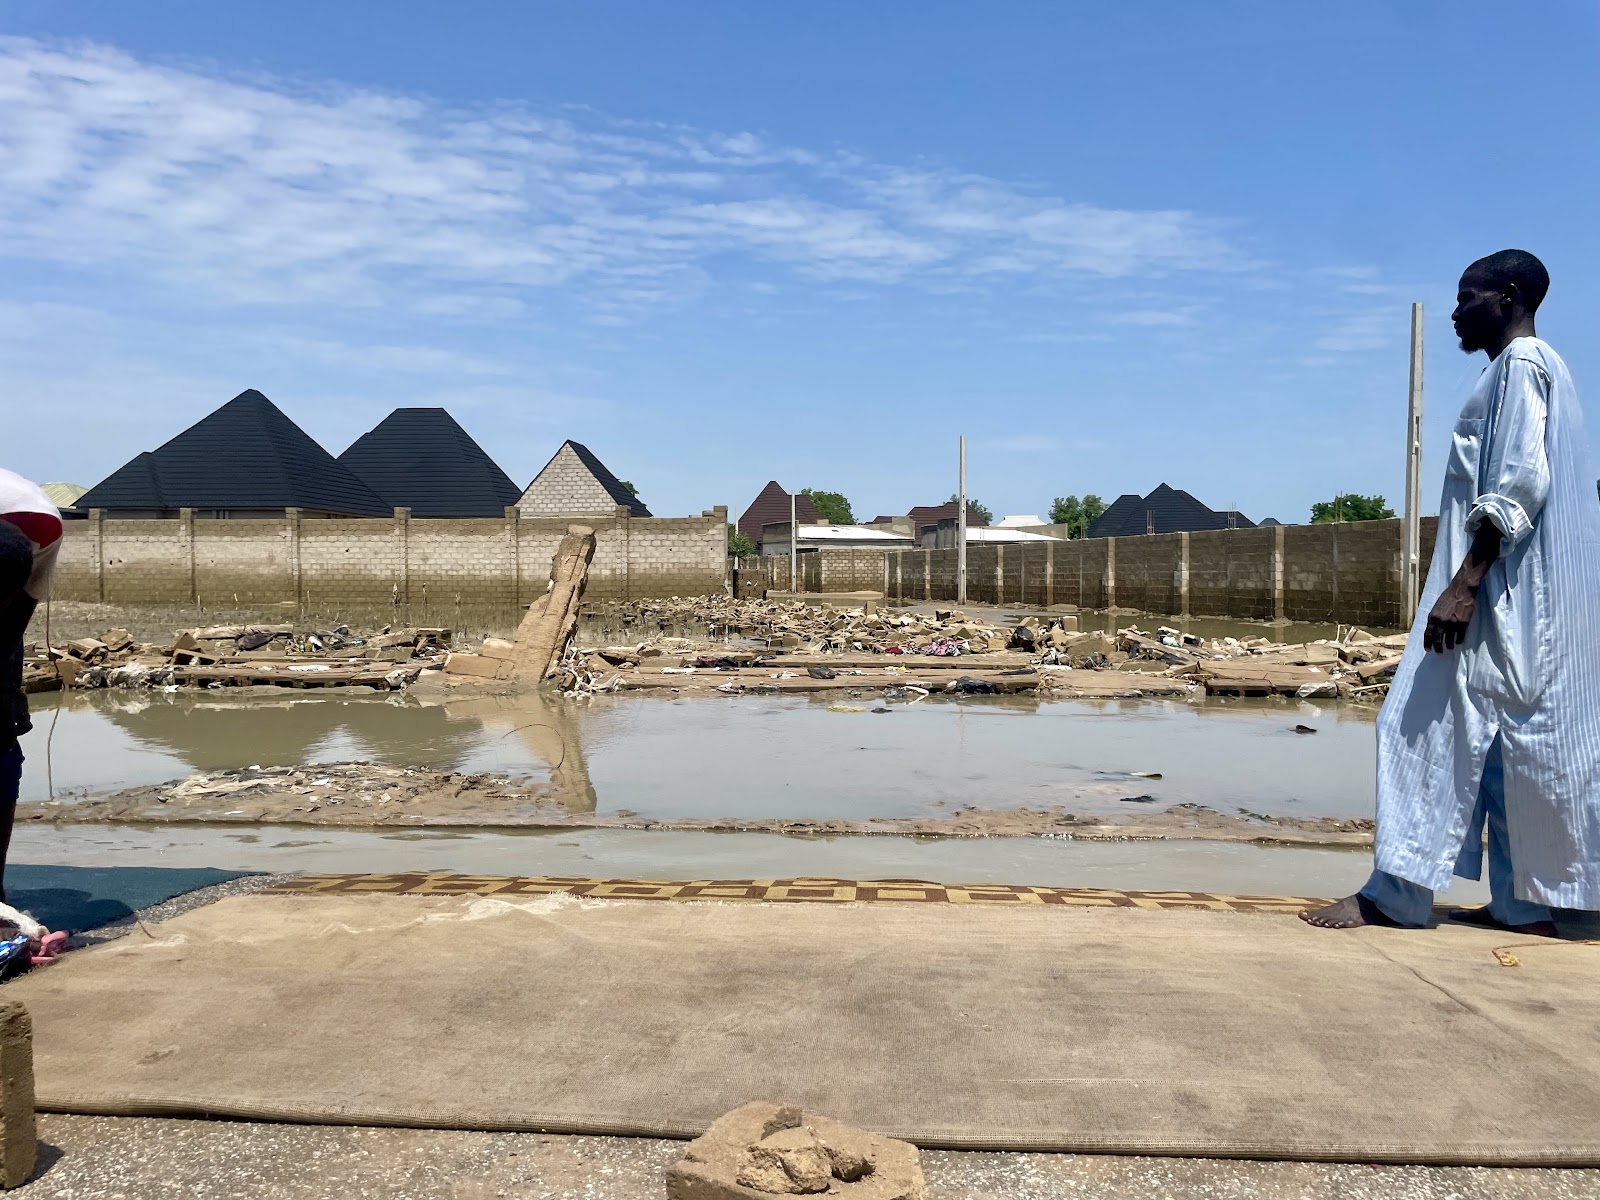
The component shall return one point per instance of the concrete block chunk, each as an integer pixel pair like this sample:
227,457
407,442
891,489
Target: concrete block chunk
764,1150
19,1143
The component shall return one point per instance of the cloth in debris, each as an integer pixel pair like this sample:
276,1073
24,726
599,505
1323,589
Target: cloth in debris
1529,670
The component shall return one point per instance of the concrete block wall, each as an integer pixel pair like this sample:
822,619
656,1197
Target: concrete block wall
379,561
1347,573
1149,572
1231,573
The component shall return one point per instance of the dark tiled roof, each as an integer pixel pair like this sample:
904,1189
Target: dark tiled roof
419,458
1165,510
771,507
608,481
932,514
245,455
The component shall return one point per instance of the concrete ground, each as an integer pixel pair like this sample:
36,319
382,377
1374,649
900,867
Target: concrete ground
125,1158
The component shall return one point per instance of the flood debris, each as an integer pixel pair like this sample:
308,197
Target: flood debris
238,655
548,628
765,1149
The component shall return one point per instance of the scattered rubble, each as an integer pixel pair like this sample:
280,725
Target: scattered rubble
354,793
236,655
763,1150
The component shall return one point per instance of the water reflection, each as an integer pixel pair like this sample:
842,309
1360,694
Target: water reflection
778,756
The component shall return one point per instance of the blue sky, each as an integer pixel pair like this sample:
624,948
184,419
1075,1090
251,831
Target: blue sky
727,242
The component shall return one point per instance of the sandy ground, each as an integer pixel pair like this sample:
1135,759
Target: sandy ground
363,795
121,1158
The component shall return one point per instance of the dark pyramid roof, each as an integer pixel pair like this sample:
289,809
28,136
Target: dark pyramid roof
421,459
1165,510
771,507
132,485
612,485
247,454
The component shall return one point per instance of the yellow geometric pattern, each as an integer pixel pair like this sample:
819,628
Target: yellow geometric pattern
783,891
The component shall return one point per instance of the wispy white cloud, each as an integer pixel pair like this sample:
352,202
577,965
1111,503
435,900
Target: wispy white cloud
1364,331
1026,443
257,190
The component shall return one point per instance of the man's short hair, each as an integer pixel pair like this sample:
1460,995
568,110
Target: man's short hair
16,560
1507,267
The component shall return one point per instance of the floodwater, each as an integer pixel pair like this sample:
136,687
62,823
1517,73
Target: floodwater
771,756
747,757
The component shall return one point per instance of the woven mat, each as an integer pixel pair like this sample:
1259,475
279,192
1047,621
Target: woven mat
1040,1028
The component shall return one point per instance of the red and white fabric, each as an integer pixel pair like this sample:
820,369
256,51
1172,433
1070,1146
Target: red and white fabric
24,504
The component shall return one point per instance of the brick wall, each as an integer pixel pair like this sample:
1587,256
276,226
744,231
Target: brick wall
377,561
565,487
1347,573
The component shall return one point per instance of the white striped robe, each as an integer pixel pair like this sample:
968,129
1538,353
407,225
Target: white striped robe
1529,670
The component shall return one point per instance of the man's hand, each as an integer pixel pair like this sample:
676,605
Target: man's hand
1450,616
1452,612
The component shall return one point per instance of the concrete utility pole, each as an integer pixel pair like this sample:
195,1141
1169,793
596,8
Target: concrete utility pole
961,529
1411,530
794,544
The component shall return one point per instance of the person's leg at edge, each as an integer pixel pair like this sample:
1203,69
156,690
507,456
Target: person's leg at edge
1504,910
10,789
1384,899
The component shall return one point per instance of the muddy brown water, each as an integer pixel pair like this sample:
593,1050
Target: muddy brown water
778,756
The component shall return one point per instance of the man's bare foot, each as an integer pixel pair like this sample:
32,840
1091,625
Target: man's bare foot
1484,919
1350,913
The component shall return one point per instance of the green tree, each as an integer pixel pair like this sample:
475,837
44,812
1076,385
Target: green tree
739,546
973,507
835,509
632,491
1351,507
1077,515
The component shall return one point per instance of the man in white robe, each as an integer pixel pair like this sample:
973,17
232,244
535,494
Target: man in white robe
1493,720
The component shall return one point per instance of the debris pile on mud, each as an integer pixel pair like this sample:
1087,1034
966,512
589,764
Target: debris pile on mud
353,793
790,646
362,794
234,655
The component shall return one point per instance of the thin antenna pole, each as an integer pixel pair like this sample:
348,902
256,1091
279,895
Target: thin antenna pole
1411,531
794,545
961,529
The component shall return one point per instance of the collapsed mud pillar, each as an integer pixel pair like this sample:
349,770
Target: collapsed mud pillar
550,623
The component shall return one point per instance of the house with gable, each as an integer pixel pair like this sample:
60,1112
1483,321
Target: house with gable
575,483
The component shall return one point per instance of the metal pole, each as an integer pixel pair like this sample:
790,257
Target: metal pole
1411,531
961,529
794,545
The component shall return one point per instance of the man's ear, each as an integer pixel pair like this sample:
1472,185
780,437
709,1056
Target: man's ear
1511,298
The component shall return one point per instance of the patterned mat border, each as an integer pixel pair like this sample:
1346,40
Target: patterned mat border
786,891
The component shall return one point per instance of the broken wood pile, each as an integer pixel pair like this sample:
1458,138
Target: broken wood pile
1356,665
798,625
237,655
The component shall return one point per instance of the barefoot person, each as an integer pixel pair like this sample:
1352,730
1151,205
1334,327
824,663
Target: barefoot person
1493,720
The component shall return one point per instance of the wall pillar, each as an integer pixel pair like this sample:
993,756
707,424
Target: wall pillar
97,522
927,574
1049,575
291,534
999,574
1183,574
402,539
186,532
512,515
1111,573
1277,574
625,528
